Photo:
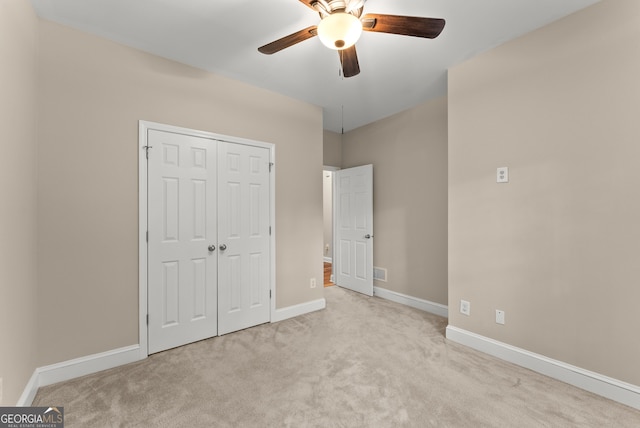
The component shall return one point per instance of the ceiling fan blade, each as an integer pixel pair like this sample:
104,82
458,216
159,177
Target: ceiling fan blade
403,25
349,61
289,40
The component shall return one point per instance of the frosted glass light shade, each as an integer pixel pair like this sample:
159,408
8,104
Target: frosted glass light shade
340,30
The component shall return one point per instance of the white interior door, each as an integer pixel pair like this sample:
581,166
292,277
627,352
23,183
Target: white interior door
353,253
182,218
244,236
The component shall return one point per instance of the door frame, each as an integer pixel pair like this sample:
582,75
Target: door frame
332,170
143,128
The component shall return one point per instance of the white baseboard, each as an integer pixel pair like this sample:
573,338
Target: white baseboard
604,386
328,260
300,309
414,302
47,375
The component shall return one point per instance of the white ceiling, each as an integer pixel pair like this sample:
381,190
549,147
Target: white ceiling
397,72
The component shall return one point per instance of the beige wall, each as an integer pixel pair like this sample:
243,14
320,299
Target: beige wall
93,92
409,156
18,190
332,149
557,248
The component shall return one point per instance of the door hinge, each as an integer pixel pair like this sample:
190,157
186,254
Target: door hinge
146,149
147,319
147,236
270,165
269,293
269,230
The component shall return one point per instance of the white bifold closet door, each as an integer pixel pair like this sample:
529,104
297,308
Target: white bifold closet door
243,233
208,242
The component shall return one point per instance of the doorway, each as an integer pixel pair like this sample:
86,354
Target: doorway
327,216
348,244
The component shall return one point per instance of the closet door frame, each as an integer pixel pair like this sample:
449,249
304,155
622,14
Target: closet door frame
143,146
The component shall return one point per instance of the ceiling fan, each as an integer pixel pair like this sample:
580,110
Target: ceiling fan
342,23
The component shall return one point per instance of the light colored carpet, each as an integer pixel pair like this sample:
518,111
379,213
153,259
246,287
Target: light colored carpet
362,362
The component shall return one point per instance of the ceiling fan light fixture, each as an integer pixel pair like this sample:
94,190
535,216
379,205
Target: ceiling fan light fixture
340,30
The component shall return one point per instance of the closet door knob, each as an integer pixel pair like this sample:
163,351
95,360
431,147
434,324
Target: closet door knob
212,248
223,247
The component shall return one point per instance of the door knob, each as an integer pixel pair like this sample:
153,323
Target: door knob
212,248
223,247
367,236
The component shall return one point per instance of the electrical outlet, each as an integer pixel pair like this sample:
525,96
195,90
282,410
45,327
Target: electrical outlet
502,175
312,283
499,316
465,307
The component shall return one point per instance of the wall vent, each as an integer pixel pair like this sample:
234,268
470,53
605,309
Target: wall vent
379,274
